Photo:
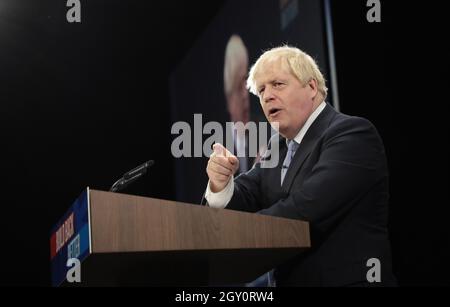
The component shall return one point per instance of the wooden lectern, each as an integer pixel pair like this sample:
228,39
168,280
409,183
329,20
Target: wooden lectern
135,240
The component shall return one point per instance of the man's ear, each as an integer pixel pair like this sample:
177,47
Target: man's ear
313,86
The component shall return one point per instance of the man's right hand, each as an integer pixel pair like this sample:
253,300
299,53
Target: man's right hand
222,165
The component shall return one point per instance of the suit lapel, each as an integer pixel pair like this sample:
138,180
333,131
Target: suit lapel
307,144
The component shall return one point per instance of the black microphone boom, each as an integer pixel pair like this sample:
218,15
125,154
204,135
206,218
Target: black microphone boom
131,176
141,169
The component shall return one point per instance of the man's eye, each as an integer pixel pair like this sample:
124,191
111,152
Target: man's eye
261,90
278,84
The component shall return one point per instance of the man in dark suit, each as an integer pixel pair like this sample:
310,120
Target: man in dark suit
332,172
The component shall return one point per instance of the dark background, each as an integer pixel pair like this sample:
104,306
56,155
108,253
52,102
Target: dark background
80,104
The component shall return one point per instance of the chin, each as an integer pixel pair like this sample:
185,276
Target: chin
286,132
274,123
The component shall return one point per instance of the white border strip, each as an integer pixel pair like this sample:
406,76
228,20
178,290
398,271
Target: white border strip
89,219
331,58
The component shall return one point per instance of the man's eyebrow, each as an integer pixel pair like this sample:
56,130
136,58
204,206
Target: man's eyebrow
263,84
269,81
278,80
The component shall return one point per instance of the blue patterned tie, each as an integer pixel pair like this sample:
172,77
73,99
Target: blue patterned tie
292,148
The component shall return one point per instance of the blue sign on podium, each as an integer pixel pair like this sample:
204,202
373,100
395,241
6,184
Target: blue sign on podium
70,238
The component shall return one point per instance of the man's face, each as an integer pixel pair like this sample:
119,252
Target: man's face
239,98
283,98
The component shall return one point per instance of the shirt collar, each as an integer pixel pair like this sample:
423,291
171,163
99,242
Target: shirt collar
301,134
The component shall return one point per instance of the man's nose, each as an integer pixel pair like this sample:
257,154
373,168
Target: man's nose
267,95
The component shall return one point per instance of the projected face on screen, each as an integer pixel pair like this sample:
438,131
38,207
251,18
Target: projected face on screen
234,77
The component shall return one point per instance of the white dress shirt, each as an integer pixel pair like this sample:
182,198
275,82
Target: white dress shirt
222,198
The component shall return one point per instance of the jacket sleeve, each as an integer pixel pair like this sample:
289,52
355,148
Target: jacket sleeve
247,195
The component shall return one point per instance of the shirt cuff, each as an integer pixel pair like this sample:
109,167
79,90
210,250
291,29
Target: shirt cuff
220,199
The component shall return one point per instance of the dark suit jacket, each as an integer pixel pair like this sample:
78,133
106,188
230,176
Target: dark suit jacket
338,182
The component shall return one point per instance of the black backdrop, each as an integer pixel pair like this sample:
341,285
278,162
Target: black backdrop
82,103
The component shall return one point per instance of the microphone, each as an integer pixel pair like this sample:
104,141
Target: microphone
202,201
131,176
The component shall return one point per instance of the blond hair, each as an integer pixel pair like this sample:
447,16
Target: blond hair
301,65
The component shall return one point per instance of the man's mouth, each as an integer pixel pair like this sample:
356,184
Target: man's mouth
273,112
